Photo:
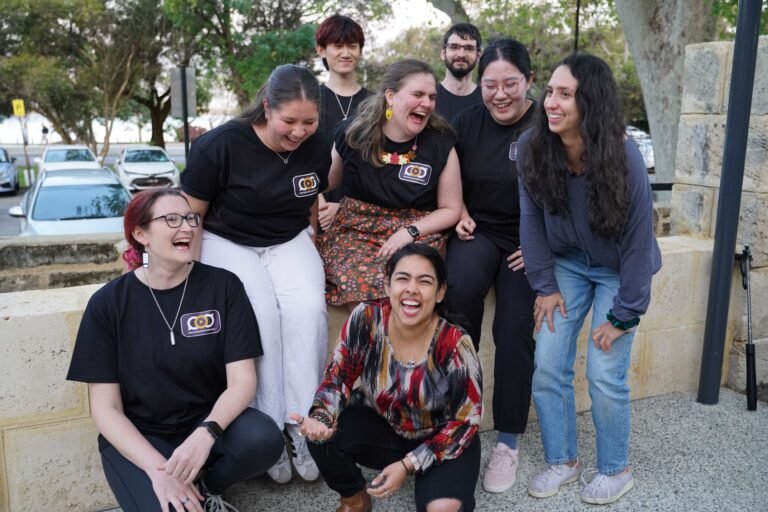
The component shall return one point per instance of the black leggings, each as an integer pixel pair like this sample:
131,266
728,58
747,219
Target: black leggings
250,446
366,438
473,267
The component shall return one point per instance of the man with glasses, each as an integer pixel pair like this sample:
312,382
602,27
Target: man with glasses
461,50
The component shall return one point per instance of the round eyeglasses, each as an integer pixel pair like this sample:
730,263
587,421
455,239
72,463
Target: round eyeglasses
174,220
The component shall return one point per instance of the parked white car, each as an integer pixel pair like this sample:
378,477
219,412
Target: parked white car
58,157
644,143
142,167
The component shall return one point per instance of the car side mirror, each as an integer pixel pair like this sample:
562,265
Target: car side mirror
16,211
13,159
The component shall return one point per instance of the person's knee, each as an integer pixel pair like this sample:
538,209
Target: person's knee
444,505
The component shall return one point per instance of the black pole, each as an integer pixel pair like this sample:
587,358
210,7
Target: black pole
732,178
185,111
576,31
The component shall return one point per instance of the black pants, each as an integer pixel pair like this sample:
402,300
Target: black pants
250,446
473,267
364,437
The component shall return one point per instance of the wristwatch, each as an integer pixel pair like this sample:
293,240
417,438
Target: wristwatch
413,231
213,428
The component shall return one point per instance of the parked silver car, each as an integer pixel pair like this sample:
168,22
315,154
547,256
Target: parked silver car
60,156
142,167
73,202
9,175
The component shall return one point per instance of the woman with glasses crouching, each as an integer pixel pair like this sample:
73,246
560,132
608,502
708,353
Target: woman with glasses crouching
168,353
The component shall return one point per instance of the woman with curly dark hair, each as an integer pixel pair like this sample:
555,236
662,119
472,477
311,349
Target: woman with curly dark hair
586,231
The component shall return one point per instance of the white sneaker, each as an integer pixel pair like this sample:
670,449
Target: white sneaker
602,489
281,471
548,482
302,460
502,469
214,502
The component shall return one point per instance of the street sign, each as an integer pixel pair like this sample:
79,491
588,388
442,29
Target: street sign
18,107
177,96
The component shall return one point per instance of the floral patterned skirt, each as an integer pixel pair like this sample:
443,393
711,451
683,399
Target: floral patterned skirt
353,272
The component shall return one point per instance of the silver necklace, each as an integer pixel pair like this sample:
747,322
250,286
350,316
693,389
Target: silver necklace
184,291
349,106
285,160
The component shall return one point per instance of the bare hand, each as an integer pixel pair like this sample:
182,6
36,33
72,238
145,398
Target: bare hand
515,260
312,429
327,213
465,228
400,239
394,474
605,335
174,491
189,457
544,307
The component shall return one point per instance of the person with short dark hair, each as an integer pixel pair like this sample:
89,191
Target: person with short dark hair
418,404
255,179
586,230
462,45
168,353
484,251
340,41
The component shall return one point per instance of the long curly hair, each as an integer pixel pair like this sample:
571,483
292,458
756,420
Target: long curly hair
603,135
365,133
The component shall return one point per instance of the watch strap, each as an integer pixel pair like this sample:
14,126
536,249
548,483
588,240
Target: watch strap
213,428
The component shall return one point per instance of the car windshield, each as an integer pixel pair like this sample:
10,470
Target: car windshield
145,155
3,157
68,155
80,202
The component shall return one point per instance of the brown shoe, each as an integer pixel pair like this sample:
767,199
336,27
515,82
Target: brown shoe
358,502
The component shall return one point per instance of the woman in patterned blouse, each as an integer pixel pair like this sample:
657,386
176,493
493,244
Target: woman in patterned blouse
419,401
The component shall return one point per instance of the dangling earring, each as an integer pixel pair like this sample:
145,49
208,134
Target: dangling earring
145,260
388,113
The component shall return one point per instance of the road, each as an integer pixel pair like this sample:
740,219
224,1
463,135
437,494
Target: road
9,226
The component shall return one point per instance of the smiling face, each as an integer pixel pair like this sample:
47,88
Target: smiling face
289,125
560,105
166,245
460,55
342,58
504,90
411,106
413,291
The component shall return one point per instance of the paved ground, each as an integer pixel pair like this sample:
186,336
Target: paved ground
686,457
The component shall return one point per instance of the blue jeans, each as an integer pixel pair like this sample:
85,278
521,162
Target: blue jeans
583,287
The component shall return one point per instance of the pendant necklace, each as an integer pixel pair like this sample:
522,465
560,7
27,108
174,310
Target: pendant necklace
170,326
349,106
281,157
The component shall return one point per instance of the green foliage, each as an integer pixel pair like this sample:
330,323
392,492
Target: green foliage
726,13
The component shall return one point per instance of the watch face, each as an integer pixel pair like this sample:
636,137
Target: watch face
413,231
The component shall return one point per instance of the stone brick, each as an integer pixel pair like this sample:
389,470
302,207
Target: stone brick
758,278
753,226
56,467
705,77
737,371
672,360
760,86
83,276
30,252
692,210
700,143
4,505
756,158
14,282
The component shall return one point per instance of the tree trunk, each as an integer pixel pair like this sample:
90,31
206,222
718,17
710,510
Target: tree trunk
657,32
453,8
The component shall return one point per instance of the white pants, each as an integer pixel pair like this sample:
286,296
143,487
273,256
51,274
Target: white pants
286,286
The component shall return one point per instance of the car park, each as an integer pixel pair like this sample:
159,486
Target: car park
9,175
142,167
59,157
73,202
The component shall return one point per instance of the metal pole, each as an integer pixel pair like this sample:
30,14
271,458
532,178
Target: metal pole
185,111
732,178
576,31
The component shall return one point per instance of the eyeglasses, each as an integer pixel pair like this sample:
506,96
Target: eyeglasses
174,220
469,48
508,86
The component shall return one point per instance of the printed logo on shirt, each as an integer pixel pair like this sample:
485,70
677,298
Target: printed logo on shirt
513,151
200,324
415,173
306,185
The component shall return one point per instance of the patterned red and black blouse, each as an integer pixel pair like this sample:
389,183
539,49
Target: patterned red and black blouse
438,400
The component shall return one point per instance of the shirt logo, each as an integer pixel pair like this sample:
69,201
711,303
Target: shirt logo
200,324
415,173
513,151
306,185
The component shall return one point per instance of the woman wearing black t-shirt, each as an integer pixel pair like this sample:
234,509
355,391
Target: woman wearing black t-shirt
167,351
401,181
485,252
256,179
340,41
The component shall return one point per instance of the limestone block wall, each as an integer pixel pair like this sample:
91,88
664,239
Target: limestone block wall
48,454
700,146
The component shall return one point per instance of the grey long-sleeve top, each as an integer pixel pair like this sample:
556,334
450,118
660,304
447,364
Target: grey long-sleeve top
635,255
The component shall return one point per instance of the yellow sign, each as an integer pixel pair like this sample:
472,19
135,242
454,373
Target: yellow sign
18,108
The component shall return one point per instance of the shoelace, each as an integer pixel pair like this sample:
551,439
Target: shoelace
499,458
591,475
215,503
545,476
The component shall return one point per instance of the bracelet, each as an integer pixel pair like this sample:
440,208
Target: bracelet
323,417
407,471
412,457
620,324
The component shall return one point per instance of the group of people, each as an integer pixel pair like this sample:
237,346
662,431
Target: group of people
206,363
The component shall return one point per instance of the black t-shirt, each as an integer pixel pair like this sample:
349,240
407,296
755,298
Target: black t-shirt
488,157
166,389
255,198
331,115
448,104
412,185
